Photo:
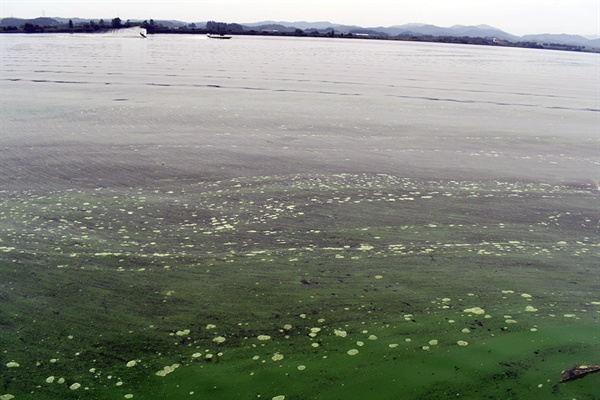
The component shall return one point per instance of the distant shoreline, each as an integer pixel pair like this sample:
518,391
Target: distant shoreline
238,30
433,39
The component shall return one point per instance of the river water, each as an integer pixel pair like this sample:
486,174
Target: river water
344,105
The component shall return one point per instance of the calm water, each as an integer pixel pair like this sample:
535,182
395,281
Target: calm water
293,217
405,102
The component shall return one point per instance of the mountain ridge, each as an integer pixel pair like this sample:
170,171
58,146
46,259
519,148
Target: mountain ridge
422,29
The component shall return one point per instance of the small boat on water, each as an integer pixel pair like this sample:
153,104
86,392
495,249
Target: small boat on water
219,36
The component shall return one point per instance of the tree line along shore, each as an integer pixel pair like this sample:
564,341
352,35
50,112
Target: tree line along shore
48,25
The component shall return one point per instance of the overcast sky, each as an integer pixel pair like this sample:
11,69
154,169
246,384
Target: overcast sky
518,17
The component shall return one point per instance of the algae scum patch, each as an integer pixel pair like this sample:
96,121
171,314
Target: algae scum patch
300,286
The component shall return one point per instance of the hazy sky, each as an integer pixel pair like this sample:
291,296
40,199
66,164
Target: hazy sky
518,17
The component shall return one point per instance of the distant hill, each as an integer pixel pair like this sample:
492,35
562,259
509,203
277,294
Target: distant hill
168,23
78,20
269,27
42,21
413,29
424,30
575,40
481,31
407,29
296,25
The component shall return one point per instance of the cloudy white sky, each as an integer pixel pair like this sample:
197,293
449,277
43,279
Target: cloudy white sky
518,17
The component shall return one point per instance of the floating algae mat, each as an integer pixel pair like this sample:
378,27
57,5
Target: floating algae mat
310,286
